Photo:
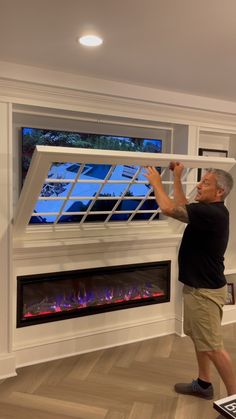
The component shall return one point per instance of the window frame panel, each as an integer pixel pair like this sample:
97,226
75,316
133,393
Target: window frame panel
44,156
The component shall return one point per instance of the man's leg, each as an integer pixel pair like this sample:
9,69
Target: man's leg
202,322
204,365
223,364
202,386
225,368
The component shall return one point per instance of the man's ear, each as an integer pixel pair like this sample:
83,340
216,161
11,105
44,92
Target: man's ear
220,192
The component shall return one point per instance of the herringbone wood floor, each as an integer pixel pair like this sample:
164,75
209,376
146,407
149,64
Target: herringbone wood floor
134,381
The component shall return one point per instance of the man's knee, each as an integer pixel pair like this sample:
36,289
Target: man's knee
213,354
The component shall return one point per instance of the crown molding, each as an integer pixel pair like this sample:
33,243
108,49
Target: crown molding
27,96
42,76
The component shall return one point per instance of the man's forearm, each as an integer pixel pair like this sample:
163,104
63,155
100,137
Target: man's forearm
179,195
168,206
165,203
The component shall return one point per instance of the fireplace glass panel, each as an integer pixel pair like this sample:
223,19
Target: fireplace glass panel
55,296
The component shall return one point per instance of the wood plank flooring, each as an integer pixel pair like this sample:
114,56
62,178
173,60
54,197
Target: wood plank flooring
133,381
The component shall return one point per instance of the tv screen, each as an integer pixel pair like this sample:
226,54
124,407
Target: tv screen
81,198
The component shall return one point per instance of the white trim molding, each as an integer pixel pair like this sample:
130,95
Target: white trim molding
107,337
11,74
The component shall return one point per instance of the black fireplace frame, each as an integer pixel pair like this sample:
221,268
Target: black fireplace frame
62,276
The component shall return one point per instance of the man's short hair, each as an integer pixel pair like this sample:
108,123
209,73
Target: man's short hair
224,180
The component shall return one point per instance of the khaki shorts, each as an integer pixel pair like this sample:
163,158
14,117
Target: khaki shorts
203,310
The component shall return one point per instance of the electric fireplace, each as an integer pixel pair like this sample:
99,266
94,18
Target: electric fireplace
61,295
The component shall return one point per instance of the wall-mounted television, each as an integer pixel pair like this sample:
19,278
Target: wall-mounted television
91,172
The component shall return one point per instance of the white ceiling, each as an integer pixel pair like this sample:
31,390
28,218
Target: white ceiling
180,45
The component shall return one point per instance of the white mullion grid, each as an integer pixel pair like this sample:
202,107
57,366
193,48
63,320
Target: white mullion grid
82,198
41,214
103,183
69,193
44,214
158,209
107,198
142,202
131,182
52,198
155,213
51,180
183,181
103,212
192,193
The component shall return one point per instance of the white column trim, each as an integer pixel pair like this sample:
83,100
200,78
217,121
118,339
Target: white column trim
7,361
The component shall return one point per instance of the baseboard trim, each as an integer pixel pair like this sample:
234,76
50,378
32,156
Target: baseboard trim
88,343
7,366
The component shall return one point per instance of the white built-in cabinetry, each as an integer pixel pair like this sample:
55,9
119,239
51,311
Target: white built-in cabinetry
184,130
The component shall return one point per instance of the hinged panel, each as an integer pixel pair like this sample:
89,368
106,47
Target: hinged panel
70,185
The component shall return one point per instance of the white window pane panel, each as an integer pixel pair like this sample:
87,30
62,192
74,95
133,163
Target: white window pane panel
104,205
72,171
48,206
113,189
77,206
124,172
148,205
63,170
70,218
85,189
74,168
43,219
60,189
91,218
95,171
139,189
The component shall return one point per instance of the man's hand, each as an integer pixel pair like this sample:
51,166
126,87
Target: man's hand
177,168
152,175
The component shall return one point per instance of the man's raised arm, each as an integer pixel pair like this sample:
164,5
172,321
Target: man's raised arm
172,208
177,169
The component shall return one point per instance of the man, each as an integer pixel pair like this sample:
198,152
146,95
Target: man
201,270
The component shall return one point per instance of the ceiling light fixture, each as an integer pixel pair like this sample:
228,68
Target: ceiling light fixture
90,40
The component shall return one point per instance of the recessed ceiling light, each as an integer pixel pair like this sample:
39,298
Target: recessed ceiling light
90,40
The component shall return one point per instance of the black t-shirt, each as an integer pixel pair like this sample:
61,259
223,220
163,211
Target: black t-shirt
201,254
